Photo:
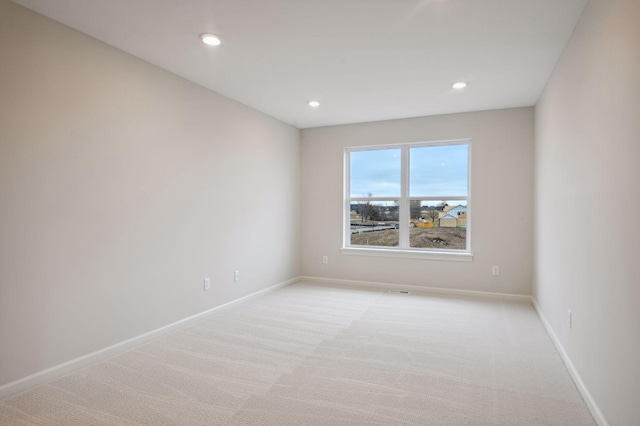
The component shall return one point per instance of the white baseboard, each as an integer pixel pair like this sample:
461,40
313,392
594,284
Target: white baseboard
417,289
60,370
588,399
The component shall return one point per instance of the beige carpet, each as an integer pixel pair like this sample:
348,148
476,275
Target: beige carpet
314,355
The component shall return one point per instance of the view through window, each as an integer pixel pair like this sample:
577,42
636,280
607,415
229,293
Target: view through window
408,196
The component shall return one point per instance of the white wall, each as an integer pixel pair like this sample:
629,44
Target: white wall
588,203
502,197
121,187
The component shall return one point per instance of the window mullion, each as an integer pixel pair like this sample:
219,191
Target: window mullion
346,215
404,214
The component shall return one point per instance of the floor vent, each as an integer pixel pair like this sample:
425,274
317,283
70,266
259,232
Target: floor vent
399,291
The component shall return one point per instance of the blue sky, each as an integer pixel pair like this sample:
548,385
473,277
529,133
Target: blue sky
434,170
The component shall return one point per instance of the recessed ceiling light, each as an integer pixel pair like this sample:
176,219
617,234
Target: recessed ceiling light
459,85
210,39
313,104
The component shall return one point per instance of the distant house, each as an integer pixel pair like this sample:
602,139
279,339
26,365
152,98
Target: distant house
454,217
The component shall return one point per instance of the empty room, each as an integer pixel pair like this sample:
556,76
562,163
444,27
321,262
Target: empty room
296,212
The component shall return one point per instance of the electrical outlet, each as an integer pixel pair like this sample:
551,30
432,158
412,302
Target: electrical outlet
236,276
207,284
570,319
495,270
325,259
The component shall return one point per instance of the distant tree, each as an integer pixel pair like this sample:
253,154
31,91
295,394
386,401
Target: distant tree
414,209
433,214
375,213
366,209
393,211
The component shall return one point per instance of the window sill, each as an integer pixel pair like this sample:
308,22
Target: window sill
408,254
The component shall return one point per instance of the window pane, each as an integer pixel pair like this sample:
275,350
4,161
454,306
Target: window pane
374,223
375,173
439,170
438,225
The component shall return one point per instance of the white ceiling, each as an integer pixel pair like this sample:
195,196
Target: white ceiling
364,60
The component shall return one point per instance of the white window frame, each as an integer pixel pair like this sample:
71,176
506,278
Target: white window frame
403,250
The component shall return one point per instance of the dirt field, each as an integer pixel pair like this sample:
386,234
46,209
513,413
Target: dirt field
444,238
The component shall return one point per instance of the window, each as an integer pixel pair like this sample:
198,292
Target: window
408,199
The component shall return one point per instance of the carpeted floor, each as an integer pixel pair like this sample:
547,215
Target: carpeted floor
317,355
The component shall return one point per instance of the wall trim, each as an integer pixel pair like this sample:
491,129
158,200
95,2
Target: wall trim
25,383
408,254
418,288
586,395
